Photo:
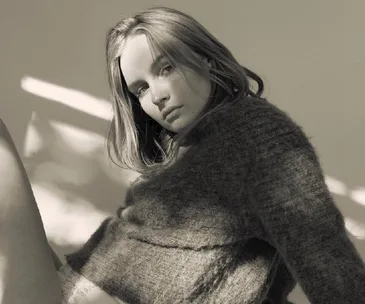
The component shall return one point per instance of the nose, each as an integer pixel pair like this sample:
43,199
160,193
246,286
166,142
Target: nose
159,94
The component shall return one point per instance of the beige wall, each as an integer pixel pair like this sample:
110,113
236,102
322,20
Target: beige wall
54,95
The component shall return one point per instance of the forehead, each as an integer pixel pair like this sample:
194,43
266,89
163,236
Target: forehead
136,56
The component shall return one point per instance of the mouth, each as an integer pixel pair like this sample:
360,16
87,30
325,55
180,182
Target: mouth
169,111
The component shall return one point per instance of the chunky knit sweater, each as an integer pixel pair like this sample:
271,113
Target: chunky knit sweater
241,217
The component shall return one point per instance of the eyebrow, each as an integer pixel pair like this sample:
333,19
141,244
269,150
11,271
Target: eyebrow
153,67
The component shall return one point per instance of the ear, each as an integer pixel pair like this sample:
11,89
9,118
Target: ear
207,61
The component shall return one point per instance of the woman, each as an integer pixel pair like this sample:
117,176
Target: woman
231,205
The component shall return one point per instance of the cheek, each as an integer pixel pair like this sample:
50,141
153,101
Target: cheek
197,88
176,90
151,110
204,87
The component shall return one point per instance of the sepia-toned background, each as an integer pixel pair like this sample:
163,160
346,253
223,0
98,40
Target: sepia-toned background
55,99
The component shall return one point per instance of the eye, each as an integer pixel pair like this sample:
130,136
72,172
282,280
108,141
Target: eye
167,68
139,93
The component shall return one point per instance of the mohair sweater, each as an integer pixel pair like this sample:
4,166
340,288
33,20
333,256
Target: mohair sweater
241,217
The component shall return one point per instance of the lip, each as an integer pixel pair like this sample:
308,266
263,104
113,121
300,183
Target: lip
168,111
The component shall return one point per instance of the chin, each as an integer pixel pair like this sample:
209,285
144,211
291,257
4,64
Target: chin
175,126
174,130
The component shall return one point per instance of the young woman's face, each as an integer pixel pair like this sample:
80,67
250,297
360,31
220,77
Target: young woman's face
159,88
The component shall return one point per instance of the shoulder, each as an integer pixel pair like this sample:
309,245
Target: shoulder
265,126
258,112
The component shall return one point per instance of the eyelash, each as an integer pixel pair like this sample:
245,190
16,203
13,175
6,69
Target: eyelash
138,94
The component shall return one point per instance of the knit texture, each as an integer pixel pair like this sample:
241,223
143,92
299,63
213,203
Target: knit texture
240,217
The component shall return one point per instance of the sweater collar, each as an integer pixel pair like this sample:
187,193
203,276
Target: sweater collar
213,121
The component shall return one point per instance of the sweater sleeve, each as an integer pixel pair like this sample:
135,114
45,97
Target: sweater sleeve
301,220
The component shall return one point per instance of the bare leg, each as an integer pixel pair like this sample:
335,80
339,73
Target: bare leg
56,260
27,271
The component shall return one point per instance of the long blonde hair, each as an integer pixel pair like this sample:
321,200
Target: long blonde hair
137,142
